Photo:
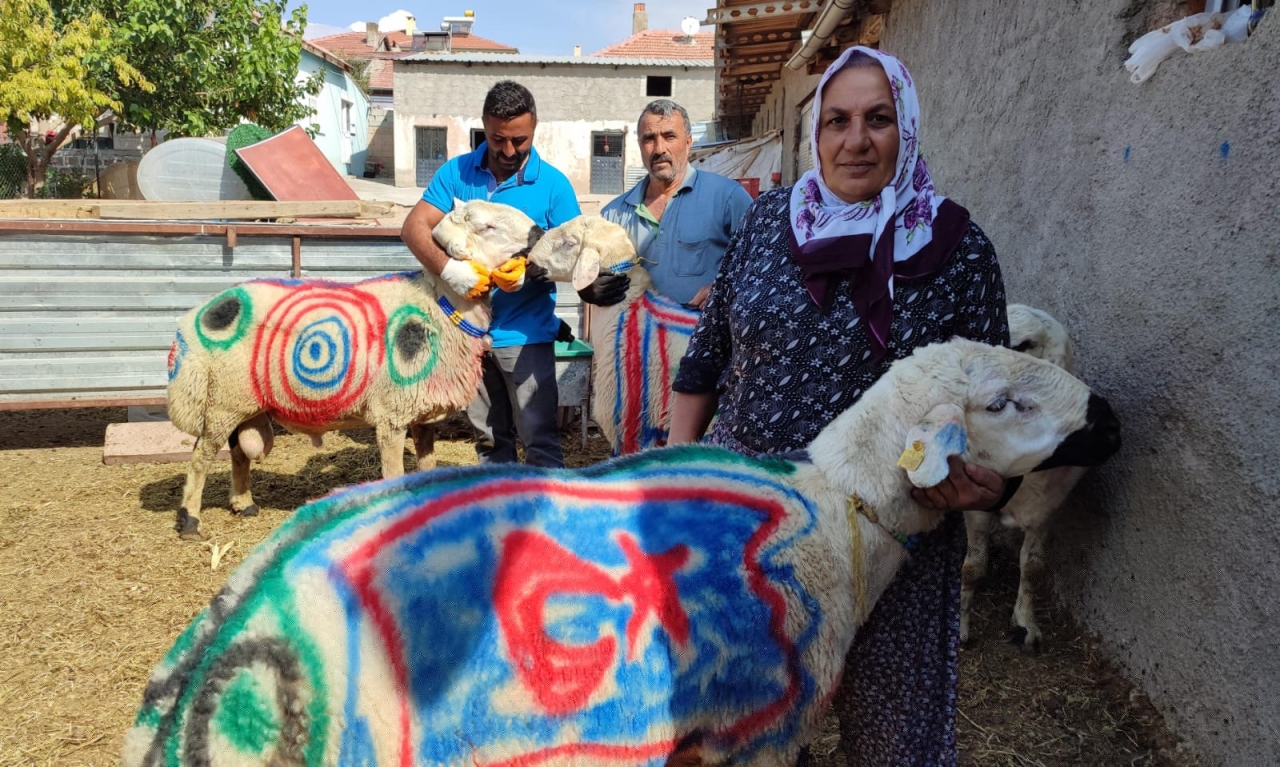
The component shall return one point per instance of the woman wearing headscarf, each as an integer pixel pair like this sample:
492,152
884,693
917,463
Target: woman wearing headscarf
824,285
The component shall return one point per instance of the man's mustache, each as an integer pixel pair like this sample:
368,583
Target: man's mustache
662,158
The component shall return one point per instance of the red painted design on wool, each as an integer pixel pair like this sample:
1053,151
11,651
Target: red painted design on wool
534,568
341,329
648,583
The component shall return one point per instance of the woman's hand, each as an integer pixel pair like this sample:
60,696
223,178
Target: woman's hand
967,488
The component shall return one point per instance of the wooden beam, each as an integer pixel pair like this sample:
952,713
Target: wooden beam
59,404
81,227
193,211
779,57
747,70
759,11
737,42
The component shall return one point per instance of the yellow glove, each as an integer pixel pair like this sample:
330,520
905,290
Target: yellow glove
468,278
510,275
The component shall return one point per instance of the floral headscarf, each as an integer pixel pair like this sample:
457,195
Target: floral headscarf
908,231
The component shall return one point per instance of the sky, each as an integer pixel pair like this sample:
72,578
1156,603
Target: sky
536,27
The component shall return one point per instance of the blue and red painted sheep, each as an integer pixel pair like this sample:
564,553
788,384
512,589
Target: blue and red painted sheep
684,602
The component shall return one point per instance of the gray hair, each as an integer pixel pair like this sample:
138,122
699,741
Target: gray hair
666,108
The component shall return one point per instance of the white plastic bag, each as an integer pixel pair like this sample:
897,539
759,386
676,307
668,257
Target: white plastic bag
1200,32
1148,51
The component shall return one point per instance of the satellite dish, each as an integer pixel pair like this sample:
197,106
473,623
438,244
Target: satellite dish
689,26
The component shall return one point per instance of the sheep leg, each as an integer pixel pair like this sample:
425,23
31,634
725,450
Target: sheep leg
202,457
424,445
1025,631
241,498
391,448
977,525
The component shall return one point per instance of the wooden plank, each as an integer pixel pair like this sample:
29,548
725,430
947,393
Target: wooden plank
243,209
214,210
42,401
8,226
48,209
149,442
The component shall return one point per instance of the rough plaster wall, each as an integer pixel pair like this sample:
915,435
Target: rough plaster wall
572,102
1145,217
563,92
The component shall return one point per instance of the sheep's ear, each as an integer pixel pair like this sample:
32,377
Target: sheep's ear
586,268
940,435
457,204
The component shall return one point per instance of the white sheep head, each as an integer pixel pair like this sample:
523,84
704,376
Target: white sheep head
998,408
1040,335
487,232
579,249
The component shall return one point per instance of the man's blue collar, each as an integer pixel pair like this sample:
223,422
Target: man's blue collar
636,195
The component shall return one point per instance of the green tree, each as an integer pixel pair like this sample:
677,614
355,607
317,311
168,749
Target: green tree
216,61
61,74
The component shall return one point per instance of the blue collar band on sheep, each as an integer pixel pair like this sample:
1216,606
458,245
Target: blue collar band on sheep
455,316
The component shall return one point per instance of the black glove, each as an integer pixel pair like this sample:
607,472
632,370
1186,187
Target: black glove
565,334
606,290
535,273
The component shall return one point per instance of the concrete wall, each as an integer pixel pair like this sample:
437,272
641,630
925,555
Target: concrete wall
1143,216
382,140
573,100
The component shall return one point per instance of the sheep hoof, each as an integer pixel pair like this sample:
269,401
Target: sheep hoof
188,527
248,511
1017,635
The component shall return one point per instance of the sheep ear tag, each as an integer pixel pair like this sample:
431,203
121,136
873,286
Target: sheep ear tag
939,436
586,268
912,457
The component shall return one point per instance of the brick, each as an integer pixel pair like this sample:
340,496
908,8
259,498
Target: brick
149,442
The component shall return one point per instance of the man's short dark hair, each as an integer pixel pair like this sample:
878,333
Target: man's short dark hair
508,100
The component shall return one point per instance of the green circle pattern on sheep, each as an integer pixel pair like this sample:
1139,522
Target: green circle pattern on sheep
223,321
411,351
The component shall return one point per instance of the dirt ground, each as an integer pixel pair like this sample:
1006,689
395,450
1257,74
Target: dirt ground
95,586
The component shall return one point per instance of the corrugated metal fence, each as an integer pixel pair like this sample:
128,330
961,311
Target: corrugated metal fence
88,310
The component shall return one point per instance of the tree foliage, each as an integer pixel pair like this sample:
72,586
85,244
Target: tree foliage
217,61
69,71
212,63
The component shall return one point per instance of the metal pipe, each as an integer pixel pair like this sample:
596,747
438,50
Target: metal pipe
829,18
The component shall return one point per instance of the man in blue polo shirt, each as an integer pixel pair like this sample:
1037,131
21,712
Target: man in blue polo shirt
680,219
518,392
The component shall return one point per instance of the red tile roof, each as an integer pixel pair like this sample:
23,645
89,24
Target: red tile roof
355,45
663,44
476,44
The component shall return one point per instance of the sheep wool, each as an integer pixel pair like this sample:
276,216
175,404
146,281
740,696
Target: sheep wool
685,605
512,616
397,352
648,338
311,351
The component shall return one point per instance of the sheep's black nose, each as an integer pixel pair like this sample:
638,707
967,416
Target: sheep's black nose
1097,441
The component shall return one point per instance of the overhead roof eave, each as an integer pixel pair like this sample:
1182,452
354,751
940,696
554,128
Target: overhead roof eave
756,41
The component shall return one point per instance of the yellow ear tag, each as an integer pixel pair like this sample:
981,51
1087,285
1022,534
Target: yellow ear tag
912,457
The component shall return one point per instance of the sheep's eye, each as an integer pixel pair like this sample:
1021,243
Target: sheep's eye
998,405
1026,345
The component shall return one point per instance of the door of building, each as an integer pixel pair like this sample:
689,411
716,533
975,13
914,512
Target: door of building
607,173
432,152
